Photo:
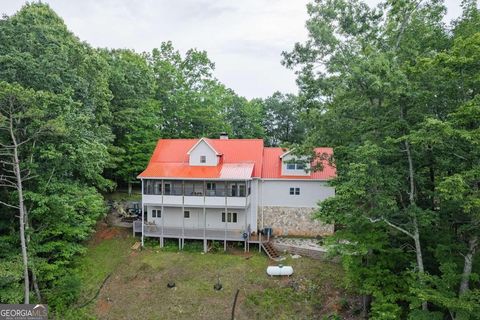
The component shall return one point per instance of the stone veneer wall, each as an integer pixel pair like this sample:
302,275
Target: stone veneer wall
286,221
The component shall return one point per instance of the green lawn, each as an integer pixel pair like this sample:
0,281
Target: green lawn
137,287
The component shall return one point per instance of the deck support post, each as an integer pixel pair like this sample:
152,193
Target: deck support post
259,242
205,248
226,216
179,244
143,218
183,213
161,242
247,226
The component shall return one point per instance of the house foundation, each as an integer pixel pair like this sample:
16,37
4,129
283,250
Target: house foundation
288,221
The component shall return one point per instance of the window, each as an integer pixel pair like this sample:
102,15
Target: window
231,217
186,214
211,187
295,191
156,213
296,166
203,159
168,188
236,189
241,189
233,190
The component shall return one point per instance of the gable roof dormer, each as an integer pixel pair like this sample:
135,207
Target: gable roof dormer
203,154
205,140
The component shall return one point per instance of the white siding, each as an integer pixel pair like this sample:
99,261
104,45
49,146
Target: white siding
254,203
203,149
276,193
174,217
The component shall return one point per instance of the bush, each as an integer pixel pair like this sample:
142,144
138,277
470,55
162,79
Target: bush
64,292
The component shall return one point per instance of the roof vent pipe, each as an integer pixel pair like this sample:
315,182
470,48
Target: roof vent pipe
223,136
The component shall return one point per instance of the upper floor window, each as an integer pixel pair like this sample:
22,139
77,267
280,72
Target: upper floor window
295,191
186,214
236,189
167,188
296,166
203,159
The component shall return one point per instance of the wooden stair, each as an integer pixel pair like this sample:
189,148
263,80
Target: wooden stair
270,250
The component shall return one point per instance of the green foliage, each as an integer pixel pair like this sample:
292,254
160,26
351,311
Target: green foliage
282,119
374,82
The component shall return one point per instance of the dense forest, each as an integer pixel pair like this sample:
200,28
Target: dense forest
394,89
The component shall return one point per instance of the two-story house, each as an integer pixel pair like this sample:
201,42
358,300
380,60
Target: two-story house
229,189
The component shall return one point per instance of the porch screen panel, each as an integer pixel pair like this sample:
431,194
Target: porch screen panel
153,186
177,188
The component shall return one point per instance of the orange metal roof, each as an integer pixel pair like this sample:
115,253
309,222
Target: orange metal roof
240,159
272,165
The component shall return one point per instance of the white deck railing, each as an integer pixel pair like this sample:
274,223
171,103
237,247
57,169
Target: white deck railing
188,233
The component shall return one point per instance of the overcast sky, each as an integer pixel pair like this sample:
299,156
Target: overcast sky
244,38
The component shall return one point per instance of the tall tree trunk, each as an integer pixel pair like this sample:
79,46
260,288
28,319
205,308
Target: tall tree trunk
129,187
416,232
32,265
467,266
21,209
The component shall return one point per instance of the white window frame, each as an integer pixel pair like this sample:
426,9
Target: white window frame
156,213
203,159
296,166
232,217
294,191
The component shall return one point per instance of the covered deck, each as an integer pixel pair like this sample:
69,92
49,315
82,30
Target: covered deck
205,234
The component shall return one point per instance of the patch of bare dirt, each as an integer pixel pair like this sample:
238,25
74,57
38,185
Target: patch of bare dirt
103,307
105,232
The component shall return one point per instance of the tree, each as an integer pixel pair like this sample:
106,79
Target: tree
374,81
25,116
56,96
136,114
282,119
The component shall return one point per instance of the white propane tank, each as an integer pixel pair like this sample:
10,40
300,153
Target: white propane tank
279,270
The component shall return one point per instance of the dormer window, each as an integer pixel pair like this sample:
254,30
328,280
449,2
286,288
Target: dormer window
296,166
203,154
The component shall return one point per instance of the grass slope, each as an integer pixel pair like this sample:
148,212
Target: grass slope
137,287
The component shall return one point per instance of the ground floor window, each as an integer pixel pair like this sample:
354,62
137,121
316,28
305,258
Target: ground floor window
156,213
295,191
231,217
186,214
